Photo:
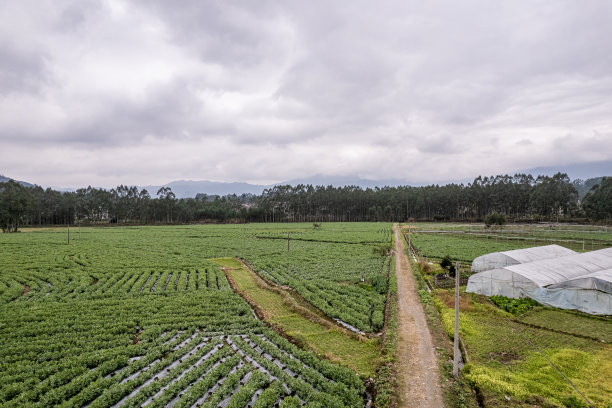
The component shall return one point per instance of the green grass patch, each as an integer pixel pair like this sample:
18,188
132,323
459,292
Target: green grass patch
503,364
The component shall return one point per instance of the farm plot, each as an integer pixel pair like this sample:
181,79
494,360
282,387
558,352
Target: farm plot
348,282
154,350
505,363
465,242
137,316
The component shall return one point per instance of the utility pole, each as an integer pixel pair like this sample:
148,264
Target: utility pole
456,338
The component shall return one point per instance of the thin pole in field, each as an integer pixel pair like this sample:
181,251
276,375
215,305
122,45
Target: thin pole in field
287,241
456,338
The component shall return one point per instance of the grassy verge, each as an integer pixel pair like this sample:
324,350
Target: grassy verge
386,375
282,311
510,372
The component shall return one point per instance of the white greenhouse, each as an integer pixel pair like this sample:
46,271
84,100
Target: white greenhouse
518,256
578,281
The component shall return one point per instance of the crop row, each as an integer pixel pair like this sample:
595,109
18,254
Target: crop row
194,369
28,285
352,291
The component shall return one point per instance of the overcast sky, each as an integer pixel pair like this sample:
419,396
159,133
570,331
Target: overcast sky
146,92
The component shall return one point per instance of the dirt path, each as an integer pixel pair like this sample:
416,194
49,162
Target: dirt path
418,365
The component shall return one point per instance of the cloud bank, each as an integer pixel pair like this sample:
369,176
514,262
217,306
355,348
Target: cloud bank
109,92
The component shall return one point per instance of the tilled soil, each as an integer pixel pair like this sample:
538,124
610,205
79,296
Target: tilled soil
419,377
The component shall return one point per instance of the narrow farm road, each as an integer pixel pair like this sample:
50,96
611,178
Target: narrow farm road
417,363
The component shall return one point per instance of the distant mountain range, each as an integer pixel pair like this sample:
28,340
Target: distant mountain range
577,170
4,179
189,188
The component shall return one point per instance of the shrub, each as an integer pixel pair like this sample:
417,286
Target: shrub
514,306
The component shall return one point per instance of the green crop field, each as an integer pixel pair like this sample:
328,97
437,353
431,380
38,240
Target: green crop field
133,316
464,242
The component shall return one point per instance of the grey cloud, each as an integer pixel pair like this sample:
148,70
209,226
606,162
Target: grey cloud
21,70
330,82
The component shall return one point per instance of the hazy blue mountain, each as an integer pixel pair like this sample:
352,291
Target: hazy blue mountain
341,181
4,179
575,171
581,173
584,186
189,188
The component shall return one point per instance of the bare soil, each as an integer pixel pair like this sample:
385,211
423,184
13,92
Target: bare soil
418,372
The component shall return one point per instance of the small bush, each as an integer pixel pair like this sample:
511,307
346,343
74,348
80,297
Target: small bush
382,249
448,265
514,306
495,219
424,267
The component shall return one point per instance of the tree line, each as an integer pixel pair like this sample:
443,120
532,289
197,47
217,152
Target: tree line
521,197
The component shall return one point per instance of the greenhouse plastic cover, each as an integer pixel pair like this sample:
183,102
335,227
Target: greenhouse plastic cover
518,256
543,281
601,281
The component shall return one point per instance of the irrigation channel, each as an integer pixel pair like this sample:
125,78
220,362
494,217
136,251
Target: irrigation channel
418,364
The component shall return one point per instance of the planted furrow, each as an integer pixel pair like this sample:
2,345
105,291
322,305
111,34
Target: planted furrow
154,370
207,355
147,281
155,283
167,280
177,280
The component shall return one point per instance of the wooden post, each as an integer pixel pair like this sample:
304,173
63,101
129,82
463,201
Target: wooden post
456,338
287,241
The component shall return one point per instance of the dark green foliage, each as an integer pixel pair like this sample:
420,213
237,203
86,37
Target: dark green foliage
553,196
514,306
448,265
519,197
382,249
15,201
597,203
495,218
380,284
